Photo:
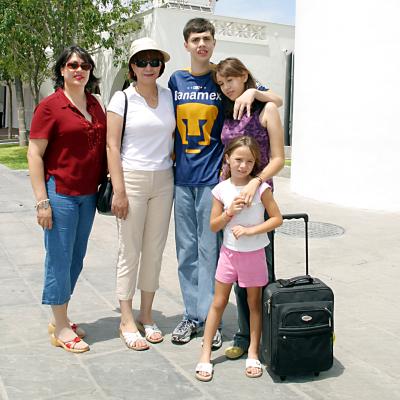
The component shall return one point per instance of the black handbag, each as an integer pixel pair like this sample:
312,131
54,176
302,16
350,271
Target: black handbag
105,191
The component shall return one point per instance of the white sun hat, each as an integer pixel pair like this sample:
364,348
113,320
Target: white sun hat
147,43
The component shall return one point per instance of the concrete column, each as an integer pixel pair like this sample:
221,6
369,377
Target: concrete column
346,123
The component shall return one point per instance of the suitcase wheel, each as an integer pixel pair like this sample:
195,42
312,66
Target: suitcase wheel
316,373
283,378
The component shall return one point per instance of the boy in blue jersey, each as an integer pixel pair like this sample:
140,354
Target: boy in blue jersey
198,155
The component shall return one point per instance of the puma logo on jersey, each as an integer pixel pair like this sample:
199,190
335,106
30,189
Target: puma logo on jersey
195,122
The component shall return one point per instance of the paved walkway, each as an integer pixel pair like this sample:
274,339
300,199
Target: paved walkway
362,266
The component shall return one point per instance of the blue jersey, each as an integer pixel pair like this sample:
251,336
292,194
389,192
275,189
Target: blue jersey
199,120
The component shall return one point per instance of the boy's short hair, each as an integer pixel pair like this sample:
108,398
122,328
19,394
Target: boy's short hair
198,25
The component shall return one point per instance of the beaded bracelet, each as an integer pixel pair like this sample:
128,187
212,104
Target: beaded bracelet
229,216
259,178
45,203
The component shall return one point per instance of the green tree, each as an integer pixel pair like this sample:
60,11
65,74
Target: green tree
10,37
89,23
34,32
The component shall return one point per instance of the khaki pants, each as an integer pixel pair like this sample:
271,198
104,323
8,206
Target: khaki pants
143,234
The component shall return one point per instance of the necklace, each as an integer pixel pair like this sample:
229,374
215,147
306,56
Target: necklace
151,100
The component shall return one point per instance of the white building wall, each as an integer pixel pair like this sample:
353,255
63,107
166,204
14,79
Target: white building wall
263,54
346,137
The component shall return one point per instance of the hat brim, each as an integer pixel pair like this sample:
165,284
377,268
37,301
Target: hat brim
147,48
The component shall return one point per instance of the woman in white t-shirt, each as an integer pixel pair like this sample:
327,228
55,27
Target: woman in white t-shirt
141,173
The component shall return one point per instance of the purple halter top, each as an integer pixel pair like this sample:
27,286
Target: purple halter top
249,126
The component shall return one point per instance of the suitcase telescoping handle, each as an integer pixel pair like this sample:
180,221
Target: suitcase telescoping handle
298,279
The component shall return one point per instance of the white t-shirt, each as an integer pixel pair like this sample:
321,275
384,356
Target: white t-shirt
225,192
148,138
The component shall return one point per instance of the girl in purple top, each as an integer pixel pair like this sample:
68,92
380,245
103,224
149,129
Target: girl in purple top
264,124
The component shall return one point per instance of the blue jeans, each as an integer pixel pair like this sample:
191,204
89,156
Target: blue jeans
66,243
242,336
197,250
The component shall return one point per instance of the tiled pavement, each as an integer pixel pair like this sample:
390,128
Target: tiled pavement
362,266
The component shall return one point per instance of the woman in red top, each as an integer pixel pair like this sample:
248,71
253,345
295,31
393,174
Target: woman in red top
67,161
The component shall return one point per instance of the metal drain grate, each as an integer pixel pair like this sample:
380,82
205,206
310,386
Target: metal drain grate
315,229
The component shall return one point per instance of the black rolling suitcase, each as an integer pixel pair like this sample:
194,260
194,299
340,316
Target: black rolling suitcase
297,327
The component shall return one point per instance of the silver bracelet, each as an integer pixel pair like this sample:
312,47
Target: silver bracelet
45,203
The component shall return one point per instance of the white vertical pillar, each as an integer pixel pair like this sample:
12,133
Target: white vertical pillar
346,122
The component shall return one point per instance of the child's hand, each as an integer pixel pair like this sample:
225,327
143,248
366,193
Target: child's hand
237,205
239,230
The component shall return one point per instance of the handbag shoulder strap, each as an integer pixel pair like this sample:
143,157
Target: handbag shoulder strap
124,123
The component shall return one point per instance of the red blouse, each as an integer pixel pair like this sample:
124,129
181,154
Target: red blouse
76,150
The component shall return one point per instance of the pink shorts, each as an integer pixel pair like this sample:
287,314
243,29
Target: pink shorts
248,268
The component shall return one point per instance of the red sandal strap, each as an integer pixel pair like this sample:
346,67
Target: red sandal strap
72,343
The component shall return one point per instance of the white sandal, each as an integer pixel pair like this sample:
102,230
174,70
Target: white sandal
253,363
204,367
130,339
149,331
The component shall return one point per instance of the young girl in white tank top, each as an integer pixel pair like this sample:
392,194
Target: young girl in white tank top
242,256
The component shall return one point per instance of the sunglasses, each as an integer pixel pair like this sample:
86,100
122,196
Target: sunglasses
155,62
75,65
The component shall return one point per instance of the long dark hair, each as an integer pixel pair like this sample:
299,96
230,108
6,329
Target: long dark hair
232,66
62,61
234,144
